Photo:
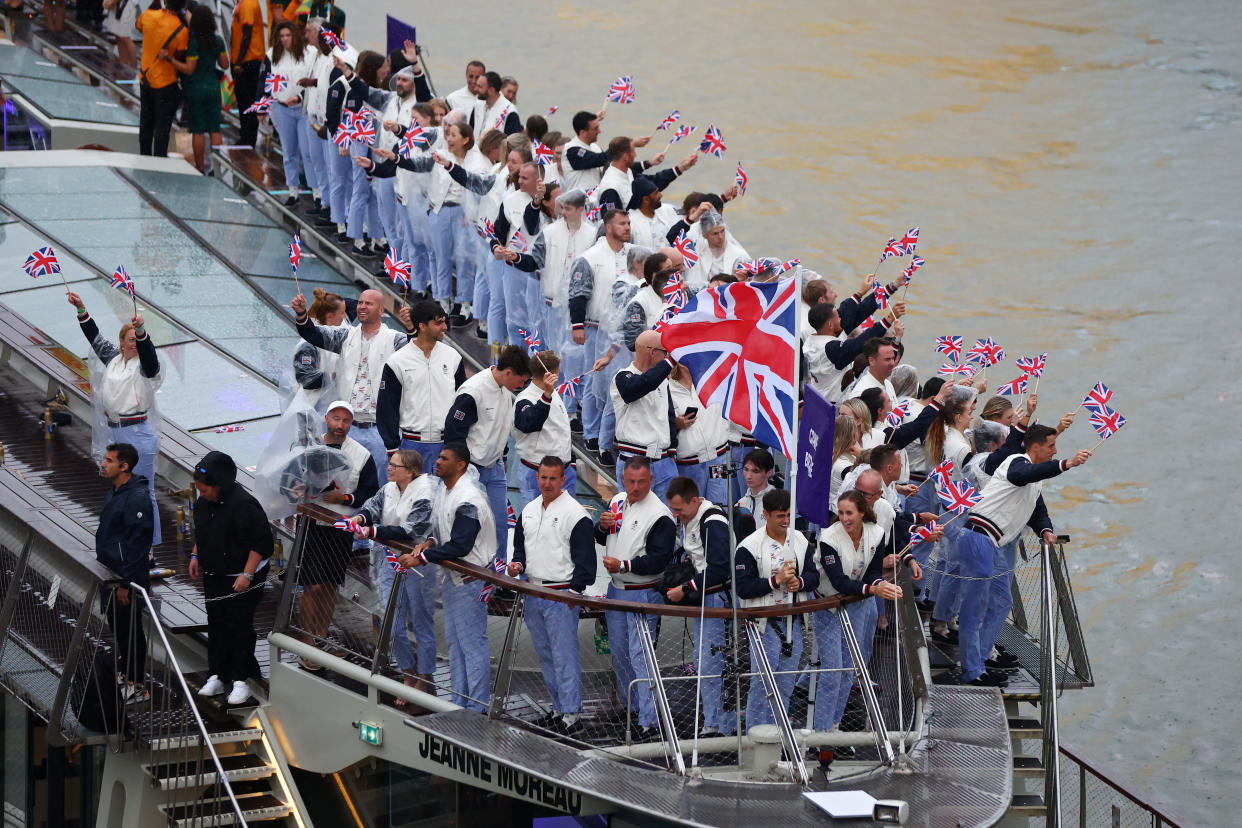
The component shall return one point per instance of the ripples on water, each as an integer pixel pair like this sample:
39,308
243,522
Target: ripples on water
1074,168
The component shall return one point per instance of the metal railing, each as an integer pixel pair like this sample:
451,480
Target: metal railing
354,633
1091,798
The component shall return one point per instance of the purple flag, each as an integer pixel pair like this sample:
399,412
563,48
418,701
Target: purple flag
815,430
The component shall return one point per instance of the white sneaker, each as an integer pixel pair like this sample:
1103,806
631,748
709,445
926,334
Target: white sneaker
213,687
241,692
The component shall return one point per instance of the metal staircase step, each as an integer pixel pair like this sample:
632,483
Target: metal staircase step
223,737
179,775
1028,766
1024,728
218,811
1030,805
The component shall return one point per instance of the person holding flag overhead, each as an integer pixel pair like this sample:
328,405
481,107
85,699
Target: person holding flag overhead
616,186
418,384
1013,498
401,511
554,546
462,528
123,386
541,427
646,422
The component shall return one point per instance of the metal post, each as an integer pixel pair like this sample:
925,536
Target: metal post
657,691
1069,614
380,659
504,669
285,608
1048,695
1082,796
56,717
868,692
759,660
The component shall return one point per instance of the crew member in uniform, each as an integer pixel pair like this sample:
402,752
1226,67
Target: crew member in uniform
328,550
364,350
646,424
481,418
126,392
554,546
418,385
830,352
774,568
1012,498
541,427
401,511
232,545
637,532
462,530
706,539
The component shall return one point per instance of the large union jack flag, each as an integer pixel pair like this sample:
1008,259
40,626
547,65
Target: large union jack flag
1098,397
713,142
740,345
622,90
1106,421
41,263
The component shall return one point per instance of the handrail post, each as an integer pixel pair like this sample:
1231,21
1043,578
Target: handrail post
290,581
1048,694
9,607
56,717
872,704
759,660
504,670
1069,615
380,659
663,711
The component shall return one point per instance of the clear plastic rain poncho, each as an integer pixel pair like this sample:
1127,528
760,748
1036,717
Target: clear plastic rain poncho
296,465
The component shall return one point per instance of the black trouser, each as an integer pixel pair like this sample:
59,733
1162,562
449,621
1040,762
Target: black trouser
131,639
157,108
230,627
246,88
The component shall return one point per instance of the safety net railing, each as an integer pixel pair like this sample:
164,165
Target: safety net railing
1090,797
772,694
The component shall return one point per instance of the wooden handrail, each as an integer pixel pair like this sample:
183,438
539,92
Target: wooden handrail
323,515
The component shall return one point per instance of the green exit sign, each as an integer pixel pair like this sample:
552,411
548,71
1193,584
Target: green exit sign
372,734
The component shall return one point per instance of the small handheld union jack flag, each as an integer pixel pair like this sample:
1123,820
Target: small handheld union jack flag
682,131
512,516
569,387
333,40
670,119
1097,398
544,155
121,281
881,296
364,128
919,534
986,352
785,267
275,84
1014,387
893,248
397,269
952,368
295,252
899,413
393,559
593,213
229,429
713,142
261,106
519,242
344,525
413,138
943,472
499,567
915,263
1032,366
531,338
487,230
910,239
617,509
552,110
42,262
622,90
950,345
686,248
958,497
674,291
1106,422
741,179
754,266
345,131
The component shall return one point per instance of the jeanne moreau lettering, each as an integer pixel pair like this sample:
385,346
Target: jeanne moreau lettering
501,777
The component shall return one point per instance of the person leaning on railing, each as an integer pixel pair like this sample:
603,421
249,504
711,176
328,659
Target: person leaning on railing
233,543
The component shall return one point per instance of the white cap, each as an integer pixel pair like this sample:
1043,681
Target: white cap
341,404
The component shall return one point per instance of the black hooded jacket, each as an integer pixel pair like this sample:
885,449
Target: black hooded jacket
227,530
126,525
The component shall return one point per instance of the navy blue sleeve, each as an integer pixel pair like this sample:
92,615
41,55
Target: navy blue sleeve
531,217
519,544
462,536
534,260
716,550
809,574
634,386
676,230
461,417
148,359
309,331
582,553
842,583
502,227
513,123
529,416
1039,517
841,354
657,549
853,311
368,484
388,409
1022,471
906,433
1011,446
459,376
581,158
383,169
663,178
746,576
422,89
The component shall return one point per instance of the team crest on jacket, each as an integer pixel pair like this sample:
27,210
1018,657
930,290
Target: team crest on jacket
306,359
459,414
383,384
830,559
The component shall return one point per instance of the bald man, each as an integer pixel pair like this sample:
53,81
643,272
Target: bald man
646,422
364,349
